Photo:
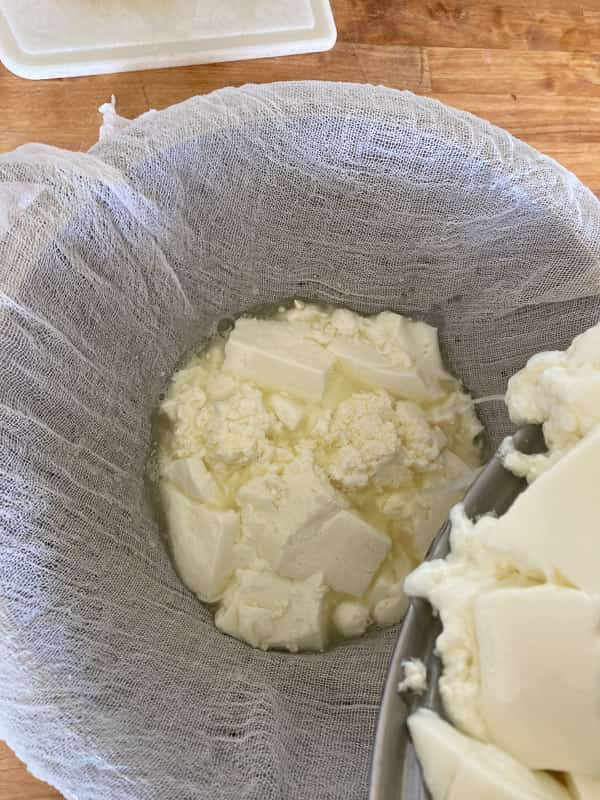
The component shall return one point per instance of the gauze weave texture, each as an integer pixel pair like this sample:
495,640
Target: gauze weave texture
114,683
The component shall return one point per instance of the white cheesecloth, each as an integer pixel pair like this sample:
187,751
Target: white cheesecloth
114,682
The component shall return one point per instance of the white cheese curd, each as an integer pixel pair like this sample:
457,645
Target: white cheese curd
305,462
520,649
539,656
351,618
203,542
561,391
456,767
268,611
192,478
415,676
519,597
278,355
551,530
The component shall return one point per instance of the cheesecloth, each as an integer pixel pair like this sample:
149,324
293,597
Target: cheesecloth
114,683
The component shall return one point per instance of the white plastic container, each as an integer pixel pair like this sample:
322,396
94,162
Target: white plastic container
65,38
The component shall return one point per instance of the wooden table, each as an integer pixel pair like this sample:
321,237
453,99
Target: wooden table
531,66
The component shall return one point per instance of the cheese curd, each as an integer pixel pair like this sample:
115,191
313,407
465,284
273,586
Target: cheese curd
456,767
306,461
519,601
561,391
415,676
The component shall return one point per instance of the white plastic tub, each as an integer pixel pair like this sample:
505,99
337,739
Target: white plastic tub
65,38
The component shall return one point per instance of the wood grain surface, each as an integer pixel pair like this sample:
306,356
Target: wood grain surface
531,66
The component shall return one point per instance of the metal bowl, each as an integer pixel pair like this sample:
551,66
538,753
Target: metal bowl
395,770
